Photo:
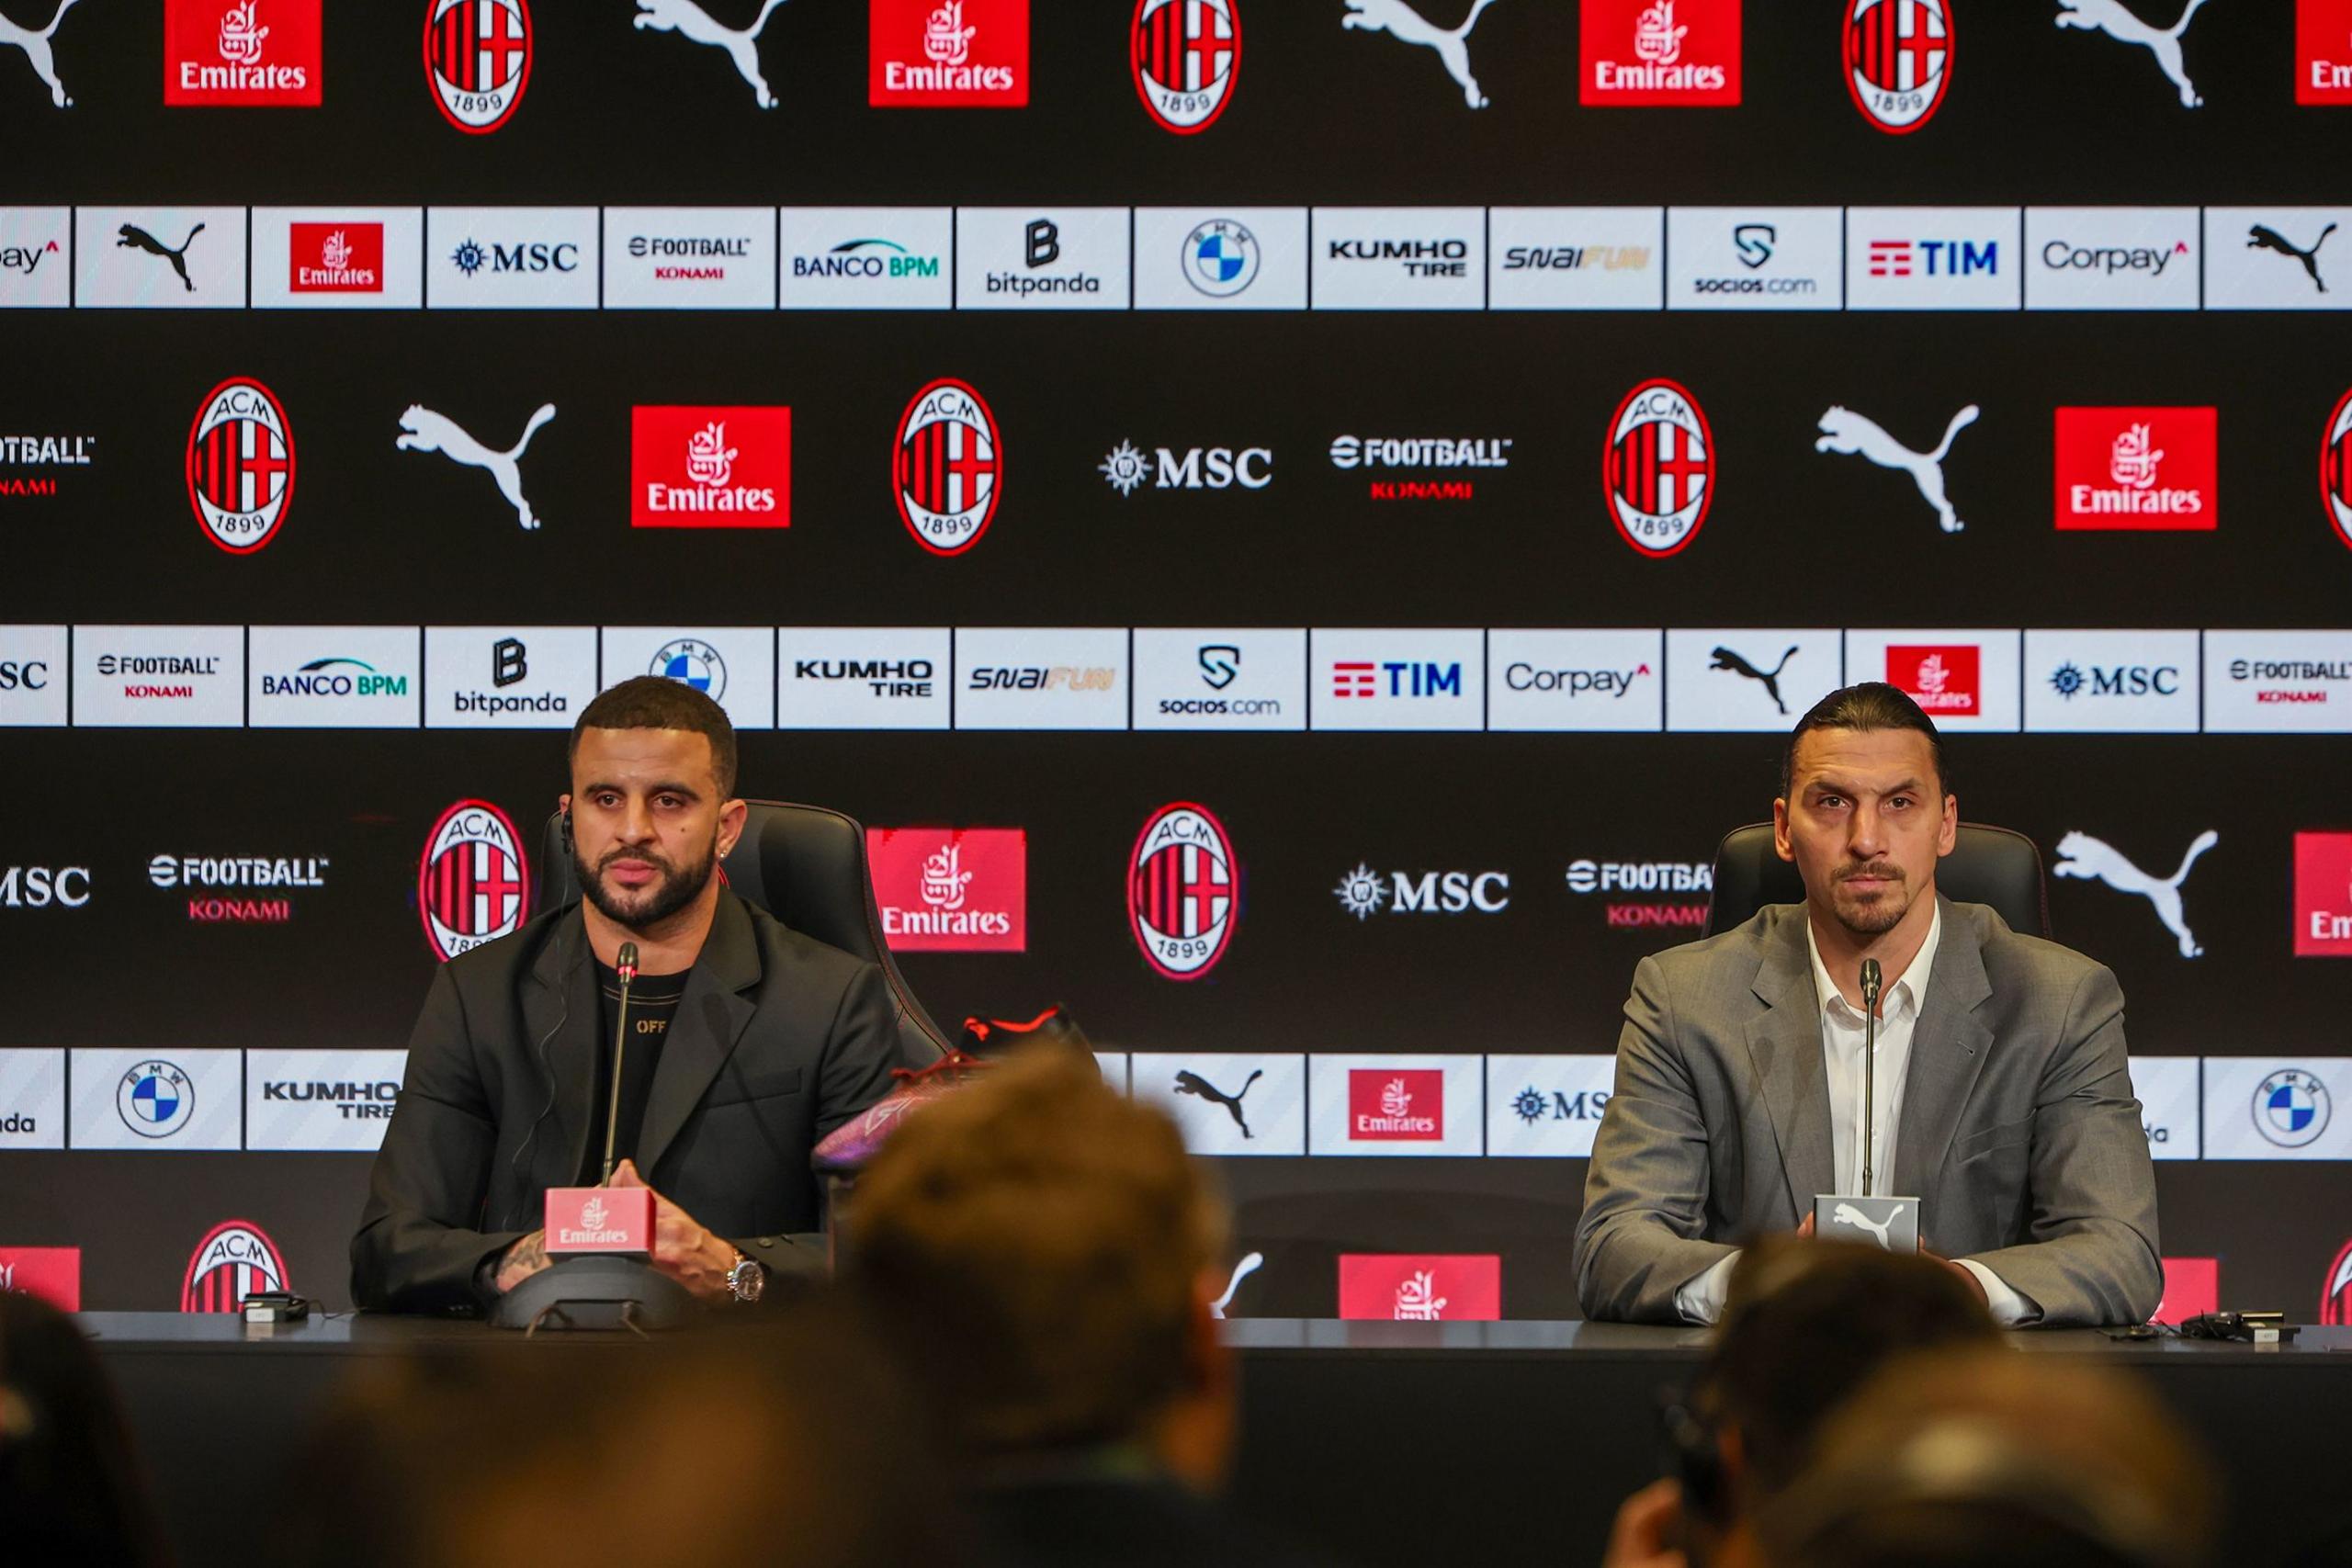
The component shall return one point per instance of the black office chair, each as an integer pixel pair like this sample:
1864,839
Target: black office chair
805,866
1987,865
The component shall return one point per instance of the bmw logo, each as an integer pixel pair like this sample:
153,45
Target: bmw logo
693,662
155,1099
2290,1107
1221,258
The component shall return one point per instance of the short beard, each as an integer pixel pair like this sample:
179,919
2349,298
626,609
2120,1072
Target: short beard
677,888
1878,917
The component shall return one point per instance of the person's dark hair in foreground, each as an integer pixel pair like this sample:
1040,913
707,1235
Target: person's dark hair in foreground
1805,1325
783,1439
1989,1459
70,1491
1045,1253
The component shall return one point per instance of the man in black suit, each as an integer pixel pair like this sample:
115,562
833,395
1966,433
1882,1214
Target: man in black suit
747,1043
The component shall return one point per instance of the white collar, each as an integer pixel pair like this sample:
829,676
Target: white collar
1904,991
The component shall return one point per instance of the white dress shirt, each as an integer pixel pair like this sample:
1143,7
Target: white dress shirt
1701,1300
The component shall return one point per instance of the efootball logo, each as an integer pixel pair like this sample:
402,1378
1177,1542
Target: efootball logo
1183,891
949,468
1898,60
240,465
478,59
1186,55
1659,469
235,1259
472,883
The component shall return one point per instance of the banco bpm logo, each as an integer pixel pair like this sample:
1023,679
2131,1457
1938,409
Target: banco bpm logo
478,60
240,465
949,468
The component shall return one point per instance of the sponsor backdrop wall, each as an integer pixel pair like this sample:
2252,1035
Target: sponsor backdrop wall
1298,525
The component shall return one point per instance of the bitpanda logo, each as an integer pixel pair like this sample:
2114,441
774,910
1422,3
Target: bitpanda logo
477,58
240,465
949,468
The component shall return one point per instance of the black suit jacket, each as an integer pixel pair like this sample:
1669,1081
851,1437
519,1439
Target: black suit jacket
778,1040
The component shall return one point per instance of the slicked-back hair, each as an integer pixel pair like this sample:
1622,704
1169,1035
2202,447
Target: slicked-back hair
1867,706
655,702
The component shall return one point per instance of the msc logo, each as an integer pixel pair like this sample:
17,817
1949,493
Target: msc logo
1532,1105
477,58
2071,681
472,879
1363,891
1210,468
1898,60
240,465
949,468
1183,891
234,1261
1658,469
30,675
1185,55
38,887
530,256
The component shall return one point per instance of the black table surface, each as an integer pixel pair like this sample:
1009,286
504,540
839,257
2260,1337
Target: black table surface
1376,1442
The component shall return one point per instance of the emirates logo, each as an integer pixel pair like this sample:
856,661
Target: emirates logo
945,39
709,460
1656,39
944,881
1395,1100
1416,1298
241,36
2133,462
334,253
591,1215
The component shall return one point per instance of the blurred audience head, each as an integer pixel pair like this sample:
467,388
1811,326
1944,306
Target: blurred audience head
1993,1458
1045,1252
786,1439
71,1489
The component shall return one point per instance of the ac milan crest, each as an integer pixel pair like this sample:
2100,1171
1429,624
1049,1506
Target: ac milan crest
1898,59
2335,470
1183,891
472,884
240,465
478,57
949,468
235,1259
2336,1297
1186,55
1659,468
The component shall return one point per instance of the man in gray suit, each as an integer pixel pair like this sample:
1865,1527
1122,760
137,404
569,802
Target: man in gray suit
2003,1098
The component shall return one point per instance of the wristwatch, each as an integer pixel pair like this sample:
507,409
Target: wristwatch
747,1279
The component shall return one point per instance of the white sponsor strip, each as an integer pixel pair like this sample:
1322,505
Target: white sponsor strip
338,258
508,677
1027,259
1395,1105
1398,258
32,1098
1220,678
1547,1107
1933,258
2167,1089
2278,1108
1227,1102
867,258
1964,680
36,257
2112,259
160,677
170,258
335,678
2111,681
1747,678
320,1100
864,677
1041,678
1370,678
689,258
33,677
733,666
510,258
1576,258
1754,258
1220,258
169,1098
1575,680
2276,258
2283,683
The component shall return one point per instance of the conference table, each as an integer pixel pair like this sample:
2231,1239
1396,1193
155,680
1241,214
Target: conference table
1378,1443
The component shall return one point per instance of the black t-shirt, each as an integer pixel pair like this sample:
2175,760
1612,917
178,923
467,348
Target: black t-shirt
652,1002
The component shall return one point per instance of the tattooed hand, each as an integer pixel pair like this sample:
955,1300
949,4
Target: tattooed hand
523,1260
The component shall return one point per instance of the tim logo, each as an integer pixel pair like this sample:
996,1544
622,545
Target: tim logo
335,258
235,1259
1898,60
2324,61
970,54
710,467
478,60
1660,53
1185,55
1420,1286
1658,469
949,468
2335,470
2323,895
1184,891
242,52
2153,468
1402,1105
2336,1296
1944,679
472,883
240,465
950,889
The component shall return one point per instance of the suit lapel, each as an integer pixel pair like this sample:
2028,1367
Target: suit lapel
1947,1052
560,1013
1784,1045
711,1017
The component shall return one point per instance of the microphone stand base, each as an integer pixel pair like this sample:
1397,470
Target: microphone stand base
597,1292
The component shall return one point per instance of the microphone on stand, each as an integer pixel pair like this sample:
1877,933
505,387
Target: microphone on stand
627,964
1870,1070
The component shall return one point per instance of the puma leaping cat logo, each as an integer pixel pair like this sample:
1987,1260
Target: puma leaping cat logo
133,235
425,431
36,48
1406,25
2265,238
1193,1083
2109,17
1241,1272
1847,1215
689,20
1726,659
1844,430
2079,854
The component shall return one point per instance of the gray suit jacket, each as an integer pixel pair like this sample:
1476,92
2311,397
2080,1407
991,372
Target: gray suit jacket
2020,1132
